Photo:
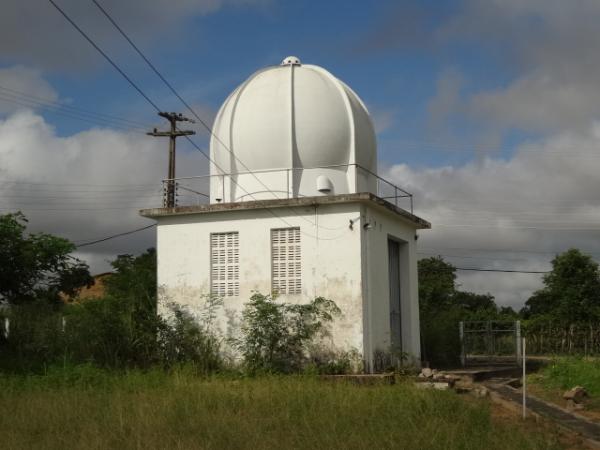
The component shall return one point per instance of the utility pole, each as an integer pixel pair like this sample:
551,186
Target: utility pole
173,134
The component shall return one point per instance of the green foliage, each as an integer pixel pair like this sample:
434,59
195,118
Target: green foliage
326,361
567,372
35,338
571,290
119,330
275,335
134,278
112,332
183,339
564,316
37,266
436,284
443,306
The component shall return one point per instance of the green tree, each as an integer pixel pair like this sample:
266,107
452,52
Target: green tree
571,292
135,279
442,306
480,306
120,328
436,284
38,265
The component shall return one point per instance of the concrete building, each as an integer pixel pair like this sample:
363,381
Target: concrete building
297,208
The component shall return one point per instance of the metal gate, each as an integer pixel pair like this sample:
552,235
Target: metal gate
490,342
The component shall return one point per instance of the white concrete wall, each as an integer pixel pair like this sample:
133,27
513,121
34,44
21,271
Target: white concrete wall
349,266
386,225
330,255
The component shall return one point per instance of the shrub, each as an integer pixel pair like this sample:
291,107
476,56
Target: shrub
182,339
275,335
35,337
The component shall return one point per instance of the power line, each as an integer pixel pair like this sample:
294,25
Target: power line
96,241
22,96
187,105
446,255
54,110
474,269
492,250
593,227
155,106
75,184
108,58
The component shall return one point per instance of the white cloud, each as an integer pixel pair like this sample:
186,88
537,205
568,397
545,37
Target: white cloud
543,199
19,79
549,47
85,186
383,119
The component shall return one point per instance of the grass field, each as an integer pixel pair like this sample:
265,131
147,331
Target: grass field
565,373
86,408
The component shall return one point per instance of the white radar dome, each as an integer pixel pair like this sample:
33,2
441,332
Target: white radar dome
287,126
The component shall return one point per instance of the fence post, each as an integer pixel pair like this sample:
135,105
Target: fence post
6,330
461,331
518,341
524,383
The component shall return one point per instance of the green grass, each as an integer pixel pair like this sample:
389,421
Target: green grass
568,372
92,409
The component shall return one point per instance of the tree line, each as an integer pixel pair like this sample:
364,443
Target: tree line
40,280
561,317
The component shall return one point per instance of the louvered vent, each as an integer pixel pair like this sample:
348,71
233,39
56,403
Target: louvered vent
225,264
286,265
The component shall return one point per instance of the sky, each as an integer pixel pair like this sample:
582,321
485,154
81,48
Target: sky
488,111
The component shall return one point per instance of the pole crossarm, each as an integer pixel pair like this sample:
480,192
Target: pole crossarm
177,133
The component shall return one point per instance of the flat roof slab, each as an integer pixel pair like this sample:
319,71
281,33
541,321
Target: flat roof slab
362,197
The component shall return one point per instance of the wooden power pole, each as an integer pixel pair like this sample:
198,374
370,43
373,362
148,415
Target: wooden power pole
173,134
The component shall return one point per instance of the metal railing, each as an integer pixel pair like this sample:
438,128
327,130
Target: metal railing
195,190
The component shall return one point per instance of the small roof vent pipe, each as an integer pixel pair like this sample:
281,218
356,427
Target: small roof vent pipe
324,185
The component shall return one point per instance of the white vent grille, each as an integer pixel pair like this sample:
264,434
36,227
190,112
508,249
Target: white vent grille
225,264
285,256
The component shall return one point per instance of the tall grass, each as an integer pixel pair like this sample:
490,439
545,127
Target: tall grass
92,409
565,373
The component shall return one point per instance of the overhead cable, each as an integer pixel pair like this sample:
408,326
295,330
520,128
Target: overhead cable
155,106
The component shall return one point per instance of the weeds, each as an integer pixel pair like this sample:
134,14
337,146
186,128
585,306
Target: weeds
85,407
565,373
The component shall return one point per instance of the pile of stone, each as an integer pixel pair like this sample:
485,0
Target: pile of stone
575,398
431,378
